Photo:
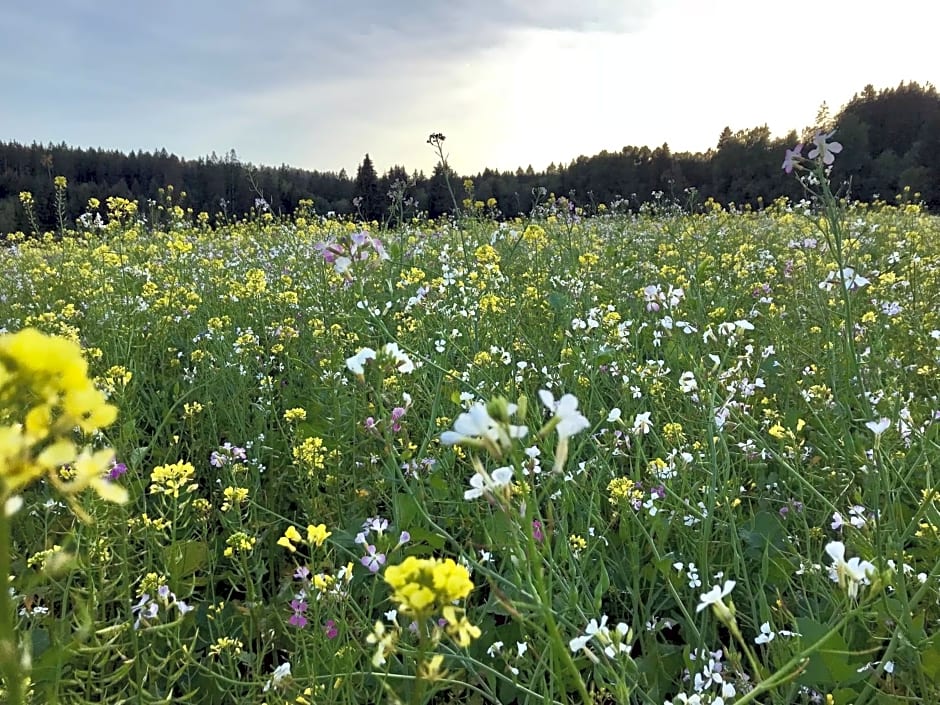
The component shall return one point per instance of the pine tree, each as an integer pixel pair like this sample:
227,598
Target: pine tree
367,191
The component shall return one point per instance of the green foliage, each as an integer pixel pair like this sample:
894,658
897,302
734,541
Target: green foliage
727,376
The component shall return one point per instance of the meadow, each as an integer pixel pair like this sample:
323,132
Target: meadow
606,457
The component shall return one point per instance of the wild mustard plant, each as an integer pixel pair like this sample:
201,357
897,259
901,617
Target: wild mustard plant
718,436
45,396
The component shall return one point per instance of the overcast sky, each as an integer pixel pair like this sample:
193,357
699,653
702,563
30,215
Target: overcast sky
317,84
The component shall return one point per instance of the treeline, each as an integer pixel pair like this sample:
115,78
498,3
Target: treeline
891,140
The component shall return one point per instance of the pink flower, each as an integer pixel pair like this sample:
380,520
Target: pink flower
297,619
792,157
329,628
825,149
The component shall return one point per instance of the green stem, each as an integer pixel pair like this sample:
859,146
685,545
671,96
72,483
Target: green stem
558,642
9,642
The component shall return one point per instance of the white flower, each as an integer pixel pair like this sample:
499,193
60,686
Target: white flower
403,363
766,635
480,484
850,574
716,599
823,148
687,383
849,279
614,415
357,361
279,674
475,423
341,264
878,427
570,420
619,644
12,505
641,423
476,426
594,628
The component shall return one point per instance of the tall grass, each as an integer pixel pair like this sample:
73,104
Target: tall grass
750,406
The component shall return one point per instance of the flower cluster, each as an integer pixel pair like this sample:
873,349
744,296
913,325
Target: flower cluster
44,381
613,642
148,608
486,427
173,478
424,586
343,253
399,359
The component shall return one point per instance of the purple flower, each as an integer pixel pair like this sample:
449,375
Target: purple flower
537,531
116,471
297,619
302,573
373,560
329,628
397,413
792,157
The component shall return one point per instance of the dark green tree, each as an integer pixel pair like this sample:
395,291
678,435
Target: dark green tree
366,192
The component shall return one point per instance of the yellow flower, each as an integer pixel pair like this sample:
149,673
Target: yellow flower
234,497
420,583
295,415
430,670
460,627
452,581
316,535
170,479
226,643
239,543
290,538
47,378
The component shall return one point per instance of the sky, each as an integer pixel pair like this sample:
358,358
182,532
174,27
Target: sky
317,84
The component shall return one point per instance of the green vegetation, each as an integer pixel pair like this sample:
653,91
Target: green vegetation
629,458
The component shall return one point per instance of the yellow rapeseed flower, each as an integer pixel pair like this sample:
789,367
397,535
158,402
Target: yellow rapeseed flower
44,380
316,535
296,414
420,584
290,539
170,479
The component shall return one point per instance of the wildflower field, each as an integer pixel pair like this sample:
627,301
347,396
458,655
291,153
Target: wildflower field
627,458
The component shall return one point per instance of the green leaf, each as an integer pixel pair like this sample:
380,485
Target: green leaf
829,665
183,558
406,511
930,659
